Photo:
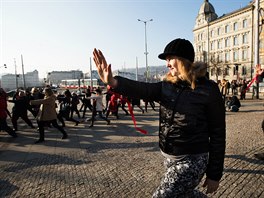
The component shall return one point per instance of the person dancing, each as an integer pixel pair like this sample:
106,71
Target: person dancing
192,119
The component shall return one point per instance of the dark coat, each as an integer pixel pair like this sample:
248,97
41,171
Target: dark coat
191,121
21,105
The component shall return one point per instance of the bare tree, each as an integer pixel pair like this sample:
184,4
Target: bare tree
217,67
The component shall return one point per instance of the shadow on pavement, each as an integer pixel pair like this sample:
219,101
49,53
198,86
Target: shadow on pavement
9,188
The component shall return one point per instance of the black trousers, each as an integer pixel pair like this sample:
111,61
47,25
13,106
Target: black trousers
54,123
23,116
6,128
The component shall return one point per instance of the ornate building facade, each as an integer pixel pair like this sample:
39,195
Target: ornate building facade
227,43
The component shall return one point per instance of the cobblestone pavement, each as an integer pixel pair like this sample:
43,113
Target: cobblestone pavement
112,161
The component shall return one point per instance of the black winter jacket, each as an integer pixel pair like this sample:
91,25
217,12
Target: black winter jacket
191,121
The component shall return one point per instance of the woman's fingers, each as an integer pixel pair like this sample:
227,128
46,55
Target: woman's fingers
96,57
101,64
102,59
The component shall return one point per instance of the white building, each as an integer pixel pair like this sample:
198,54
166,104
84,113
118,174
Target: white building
226,43
55,77
11,81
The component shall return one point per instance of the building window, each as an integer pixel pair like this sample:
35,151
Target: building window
212,71
220,57
212,33
227,42
245,54
244,23
227,29
235,56
235,26
201,36
212,45
244,39
199,48
227,56
219,44
235,40
218,31
226,71
234,71
244,70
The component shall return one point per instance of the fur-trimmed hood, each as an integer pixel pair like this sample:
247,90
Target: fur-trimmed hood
199,69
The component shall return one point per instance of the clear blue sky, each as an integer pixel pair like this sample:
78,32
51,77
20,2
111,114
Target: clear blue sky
55,35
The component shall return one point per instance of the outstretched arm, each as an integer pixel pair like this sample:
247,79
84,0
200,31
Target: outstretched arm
131,88
103,69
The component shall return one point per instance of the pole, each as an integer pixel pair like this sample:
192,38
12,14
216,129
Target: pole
24,80
16,73
256,58
146,47
91,76
146,51
136,69
208,45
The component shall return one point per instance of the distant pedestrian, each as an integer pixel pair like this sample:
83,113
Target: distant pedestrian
136,102
223,88
243,90
192,119
3,114
87,102
74,105
36,94
152,104
98,107
234,87
65,109
123,101
233,104
47,114
113,105
19,110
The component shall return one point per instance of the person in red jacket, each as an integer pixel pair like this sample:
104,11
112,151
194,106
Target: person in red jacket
3,114
113,105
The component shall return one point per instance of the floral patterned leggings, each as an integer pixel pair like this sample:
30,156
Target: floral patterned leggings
182,176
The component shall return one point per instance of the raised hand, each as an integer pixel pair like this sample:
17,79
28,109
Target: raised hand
103,69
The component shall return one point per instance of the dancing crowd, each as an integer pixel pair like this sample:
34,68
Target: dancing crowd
48,108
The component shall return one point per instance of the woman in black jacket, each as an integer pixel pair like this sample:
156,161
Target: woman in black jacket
192,119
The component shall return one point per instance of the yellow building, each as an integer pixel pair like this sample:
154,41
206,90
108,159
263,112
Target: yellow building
226,43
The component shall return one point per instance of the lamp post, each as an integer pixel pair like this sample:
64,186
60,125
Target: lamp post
23,74
146,48
208,44
16,73
256,55
3,66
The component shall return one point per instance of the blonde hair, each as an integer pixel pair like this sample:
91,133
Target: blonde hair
187,71
34,90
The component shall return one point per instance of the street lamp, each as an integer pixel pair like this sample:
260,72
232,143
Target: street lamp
208,43
146,48
16,73
3,66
